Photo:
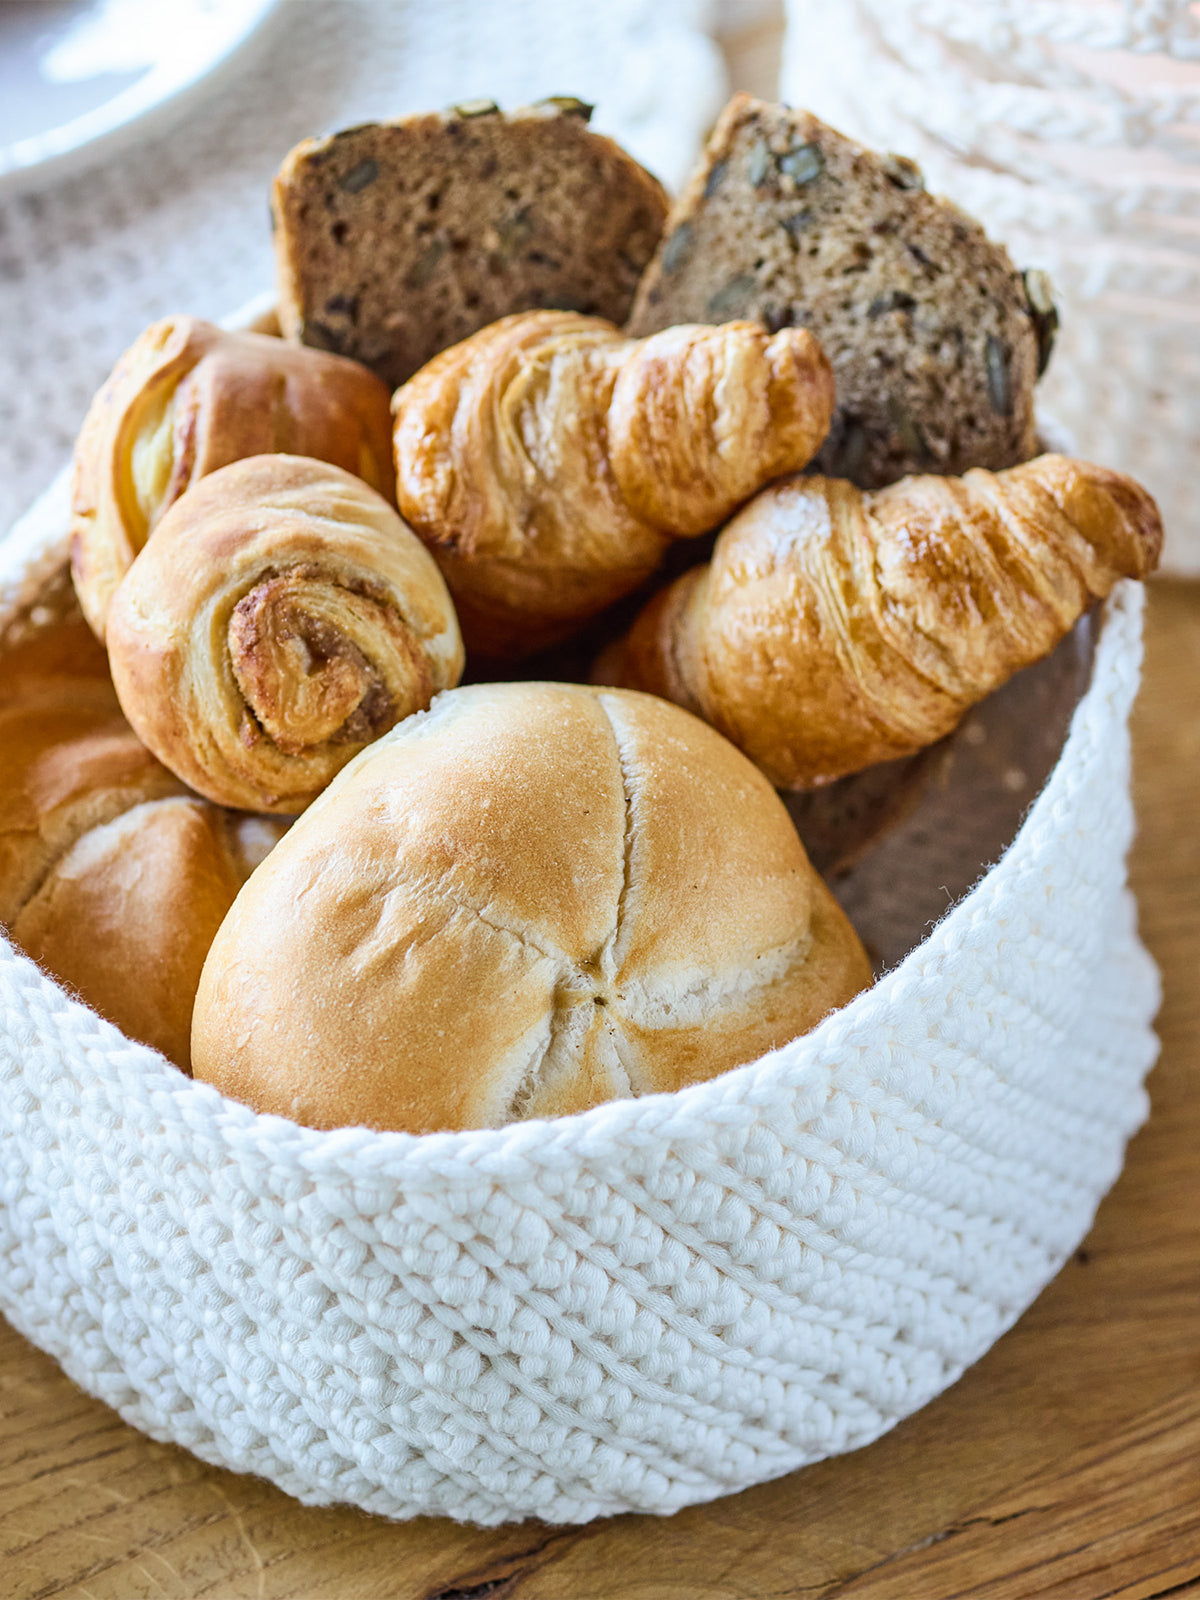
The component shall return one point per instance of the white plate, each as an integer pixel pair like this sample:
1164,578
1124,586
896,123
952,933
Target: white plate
75,73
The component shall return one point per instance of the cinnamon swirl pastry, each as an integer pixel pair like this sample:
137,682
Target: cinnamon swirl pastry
187,398
281,618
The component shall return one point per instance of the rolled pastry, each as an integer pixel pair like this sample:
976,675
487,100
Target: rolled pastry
187,398
548,461
537,897
281,618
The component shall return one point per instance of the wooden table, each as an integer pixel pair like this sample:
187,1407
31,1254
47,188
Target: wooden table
1067,1463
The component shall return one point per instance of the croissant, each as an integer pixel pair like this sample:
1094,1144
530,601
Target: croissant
281,618
111,876
833,629
186,398
548,460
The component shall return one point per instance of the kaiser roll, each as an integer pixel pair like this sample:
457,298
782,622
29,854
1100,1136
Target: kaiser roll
531,898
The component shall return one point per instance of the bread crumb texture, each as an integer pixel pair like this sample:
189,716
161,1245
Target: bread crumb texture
397,239
933,337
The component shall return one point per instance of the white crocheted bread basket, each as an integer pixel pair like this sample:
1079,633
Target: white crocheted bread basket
655,1303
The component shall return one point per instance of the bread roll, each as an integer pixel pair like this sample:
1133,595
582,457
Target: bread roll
281,618
187,398
533,898
112,877
126,915
61,659
67,765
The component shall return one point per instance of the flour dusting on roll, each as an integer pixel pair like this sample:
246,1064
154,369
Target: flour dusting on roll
534,898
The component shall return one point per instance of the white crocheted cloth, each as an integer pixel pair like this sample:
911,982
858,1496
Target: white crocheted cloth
1072,130
180,223
655,1303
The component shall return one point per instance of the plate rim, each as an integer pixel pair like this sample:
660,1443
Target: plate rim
52,153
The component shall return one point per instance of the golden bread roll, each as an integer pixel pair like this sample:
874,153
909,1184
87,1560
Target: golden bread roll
111,876
548,460
187,398
62,659
281,618
126,915
534,897
66,765
833,629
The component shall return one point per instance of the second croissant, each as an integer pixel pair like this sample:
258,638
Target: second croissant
548,461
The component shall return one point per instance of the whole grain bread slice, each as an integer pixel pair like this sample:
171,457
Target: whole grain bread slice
935,338
397,239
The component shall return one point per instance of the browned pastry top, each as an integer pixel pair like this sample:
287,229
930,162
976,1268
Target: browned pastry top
112,876
281,617
834,628
187,398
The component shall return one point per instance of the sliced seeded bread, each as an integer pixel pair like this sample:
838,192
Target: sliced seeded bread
397,239
935,338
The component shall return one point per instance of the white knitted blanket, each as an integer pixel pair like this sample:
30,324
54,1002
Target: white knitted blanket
652,1304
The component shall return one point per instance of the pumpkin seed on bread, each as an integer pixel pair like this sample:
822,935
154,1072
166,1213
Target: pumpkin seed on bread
395,240
935,338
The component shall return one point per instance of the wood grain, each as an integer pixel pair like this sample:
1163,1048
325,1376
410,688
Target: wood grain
1066,1464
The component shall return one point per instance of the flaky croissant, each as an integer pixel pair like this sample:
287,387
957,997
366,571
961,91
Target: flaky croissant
281,617
188,397
834,629
112,877
548,460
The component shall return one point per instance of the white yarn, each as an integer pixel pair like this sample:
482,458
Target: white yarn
1073,132
650,1305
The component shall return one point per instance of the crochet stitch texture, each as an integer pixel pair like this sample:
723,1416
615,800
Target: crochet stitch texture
652,1304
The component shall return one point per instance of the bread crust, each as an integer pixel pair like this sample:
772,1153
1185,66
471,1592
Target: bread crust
834,629
530,899
112,876
126,915
70,763
188,397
